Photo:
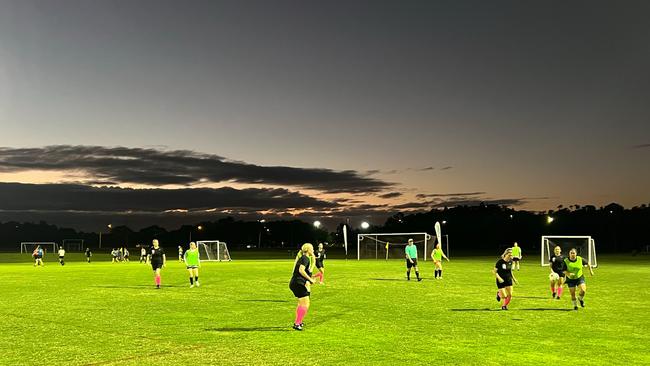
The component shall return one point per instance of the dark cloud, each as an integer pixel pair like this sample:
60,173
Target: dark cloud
642,146
181,167
390,195
426,169
75,197
432,195
446,168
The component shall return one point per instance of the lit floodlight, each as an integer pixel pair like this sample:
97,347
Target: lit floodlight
549,219
365,225
316,224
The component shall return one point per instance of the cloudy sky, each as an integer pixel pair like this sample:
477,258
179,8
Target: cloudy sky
171,111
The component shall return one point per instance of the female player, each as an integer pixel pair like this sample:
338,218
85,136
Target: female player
143,255
437,255
180,253
557,266
158,260
300,283
575,277
320,257
38,256
62,256
516,255
88,254
192,263
503,272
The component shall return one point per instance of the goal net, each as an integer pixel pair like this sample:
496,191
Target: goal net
391,245
213,250
71,245
29,246
584,245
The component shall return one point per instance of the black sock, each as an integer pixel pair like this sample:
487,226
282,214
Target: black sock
191,281
439,273
408,275
196,278
417,274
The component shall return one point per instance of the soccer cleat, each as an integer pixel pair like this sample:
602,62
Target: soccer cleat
504,307
198,284
582,303
157,287
419,279
297,326
575,308
557,298
554,295
192,286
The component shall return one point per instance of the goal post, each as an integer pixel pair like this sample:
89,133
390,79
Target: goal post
29,246
391,245
585,246
73,244
213,250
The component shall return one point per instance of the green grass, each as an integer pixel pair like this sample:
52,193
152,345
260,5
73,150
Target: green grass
366,314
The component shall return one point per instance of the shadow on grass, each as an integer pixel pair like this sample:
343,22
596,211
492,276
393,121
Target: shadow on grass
532,297
515,309
484,309
262,300
545,309
390,279
153,287
250,329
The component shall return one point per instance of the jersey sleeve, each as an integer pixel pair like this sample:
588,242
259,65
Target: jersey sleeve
304,260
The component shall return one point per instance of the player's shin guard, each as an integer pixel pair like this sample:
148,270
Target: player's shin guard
191,280
559,291
507,300
301,311
408,275
417,274
158,281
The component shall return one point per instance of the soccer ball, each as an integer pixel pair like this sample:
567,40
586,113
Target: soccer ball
554,276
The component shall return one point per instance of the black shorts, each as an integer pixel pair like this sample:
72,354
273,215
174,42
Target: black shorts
507,282
192,267
409,264
156,265
516,259
61,257
298,288
319,264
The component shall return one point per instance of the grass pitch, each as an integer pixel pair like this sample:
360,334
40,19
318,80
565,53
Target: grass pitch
365,314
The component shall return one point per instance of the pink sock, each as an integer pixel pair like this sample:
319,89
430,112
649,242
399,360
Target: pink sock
559,291
508,300
301,311
552,289
321,275
158,280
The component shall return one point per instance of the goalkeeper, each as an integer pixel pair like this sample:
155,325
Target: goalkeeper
411,252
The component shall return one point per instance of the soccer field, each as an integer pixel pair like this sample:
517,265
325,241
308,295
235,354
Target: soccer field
366,313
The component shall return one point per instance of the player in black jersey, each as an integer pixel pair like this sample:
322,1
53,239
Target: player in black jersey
300,283
557,276
320,257
158,260
503,272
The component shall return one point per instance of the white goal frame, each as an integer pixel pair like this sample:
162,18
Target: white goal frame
427,237
32,244
219,253
546,250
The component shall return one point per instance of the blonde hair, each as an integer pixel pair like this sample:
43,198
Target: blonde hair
305,247
506,252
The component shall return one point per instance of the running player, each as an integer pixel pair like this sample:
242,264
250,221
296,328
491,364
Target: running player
516,255
114,253
180,253
88,255
62,256
38,256
126,255
300,283
575,277
437,254
143,255
320,257
558,267
158,260
192,263
503,272
411,260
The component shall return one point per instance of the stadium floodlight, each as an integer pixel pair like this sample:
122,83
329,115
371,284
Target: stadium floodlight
317,224
213,250
584,245
444,222
549,219
391,245
365,225
199,227
109,226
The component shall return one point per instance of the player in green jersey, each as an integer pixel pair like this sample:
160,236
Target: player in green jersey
192,260
411,252
575,277
516,256
437,254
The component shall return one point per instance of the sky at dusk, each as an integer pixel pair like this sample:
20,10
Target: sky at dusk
176,111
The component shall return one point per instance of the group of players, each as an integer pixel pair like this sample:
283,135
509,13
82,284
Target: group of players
564,270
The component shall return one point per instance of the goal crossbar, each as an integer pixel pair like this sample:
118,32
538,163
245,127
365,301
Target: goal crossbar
24,245
589,245
426,237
